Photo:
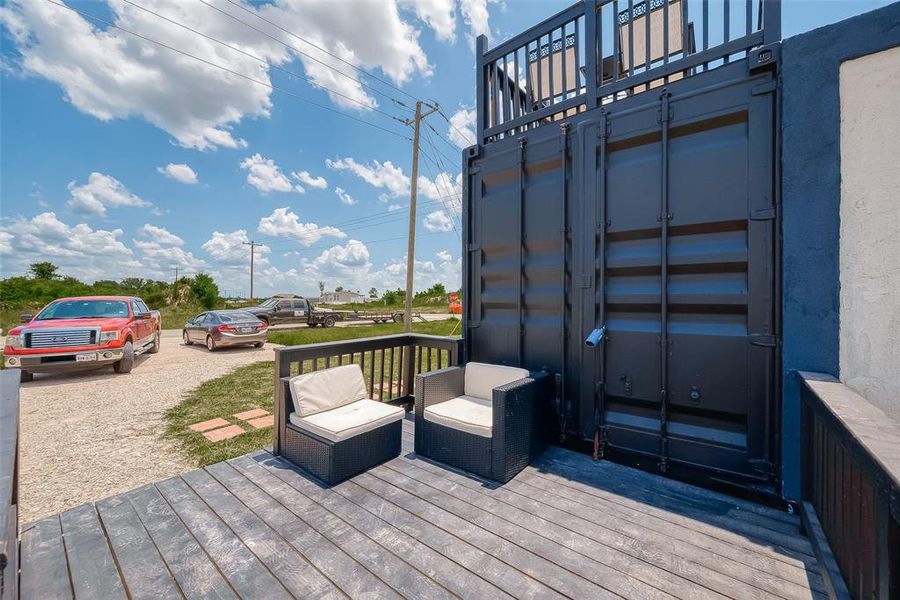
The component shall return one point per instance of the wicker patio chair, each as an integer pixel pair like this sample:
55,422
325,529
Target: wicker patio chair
335,430
485,419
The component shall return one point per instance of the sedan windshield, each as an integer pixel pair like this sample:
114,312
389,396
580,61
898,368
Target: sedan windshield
84,309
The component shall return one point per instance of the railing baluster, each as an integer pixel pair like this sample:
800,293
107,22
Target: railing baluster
391,384
540,82
630,38
371,373
528,82
726,26
381,378
616,43
749,10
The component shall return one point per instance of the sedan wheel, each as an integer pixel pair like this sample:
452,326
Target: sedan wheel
186,338
210,343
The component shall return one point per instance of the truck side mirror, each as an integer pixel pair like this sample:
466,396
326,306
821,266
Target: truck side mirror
144,316
25,318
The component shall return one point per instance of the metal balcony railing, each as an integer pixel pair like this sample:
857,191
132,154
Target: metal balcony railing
599,51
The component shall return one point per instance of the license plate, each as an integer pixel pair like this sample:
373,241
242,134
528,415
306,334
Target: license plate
85,357
247,329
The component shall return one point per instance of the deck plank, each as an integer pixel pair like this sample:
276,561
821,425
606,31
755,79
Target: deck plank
41,548
91,564
294,571
349,575
567,526
683,568
529,561
607,477
243,570
194,571
455,578
143,570
699,547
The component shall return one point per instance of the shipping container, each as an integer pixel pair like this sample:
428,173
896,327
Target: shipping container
632,194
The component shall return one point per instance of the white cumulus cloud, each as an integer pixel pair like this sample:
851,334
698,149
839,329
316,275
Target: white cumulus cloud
266,176
382,175
440,15
344,196
437,221
475,14
102,192
179,172
319,183
461,130
284,223
161,235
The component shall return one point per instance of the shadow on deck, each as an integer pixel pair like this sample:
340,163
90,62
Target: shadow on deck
256,527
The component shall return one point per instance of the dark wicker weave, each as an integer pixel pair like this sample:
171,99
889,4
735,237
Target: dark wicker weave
518,432
333,462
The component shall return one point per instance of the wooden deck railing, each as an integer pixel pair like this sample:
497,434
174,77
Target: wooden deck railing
9,483
851,488
389,364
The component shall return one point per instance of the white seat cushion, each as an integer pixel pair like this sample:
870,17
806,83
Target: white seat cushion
465,413
348,420
327,389
481,378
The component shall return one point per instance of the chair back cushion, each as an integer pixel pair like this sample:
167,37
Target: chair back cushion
481,378
323,390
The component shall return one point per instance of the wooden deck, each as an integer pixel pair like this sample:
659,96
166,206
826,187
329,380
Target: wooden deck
254,527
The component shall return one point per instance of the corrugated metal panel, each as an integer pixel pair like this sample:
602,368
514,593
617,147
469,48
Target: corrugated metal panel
673,188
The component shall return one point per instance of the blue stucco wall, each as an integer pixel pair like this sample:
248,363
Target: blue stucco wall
811,194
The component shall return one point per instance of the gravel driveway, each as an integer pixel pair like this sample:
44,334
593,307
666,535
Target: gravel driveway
85,436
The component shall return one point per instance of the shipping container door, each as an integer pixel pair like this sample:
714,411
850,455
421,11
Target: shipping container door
681,190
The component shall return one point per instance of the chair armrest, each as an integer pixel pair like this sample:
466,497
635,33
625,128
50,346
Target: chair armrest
519,417
438,386
285,398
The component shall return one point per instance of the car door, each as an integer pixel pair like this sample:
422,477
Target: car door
301,309
194,328
140,325
284,311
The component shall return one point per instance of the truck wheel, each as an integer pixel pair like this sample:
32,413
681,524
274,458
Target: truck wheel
25,376
155,347
329,322
311,324
186,339
126,363
398,317
210,343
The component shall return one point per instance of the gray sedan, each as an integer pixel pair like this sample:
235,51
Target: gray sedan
219,328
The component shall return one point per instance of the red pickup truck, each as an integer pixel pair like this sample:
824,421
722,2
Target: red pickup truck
83,333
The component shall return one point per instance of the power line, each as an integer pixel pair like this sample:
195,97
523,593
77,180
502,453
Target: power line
294,48
253,246
262,60
458,130
302,39
226,69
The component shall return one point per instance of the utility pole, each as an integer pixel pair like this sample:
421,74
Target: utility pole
411,243
174,283
253,246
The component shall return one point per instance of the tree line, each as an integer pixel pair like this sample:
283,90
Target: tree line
44,283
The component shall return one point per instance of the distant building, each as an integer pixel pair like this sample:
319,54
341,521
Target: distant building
343,297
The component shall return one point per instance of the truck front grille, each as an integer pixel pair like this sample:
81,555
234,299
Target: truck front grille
60,338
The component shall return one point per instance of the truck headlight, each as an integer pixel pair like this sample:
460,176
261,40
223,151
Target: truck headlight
16,341
108,336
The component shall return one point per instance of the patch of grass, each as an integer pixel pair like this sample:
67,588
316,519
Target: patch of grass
244,388
296,337
253,386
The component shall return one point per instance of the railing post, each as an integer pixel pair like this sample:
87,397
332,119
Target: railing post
409,367
480,97
282,369
771,21
590,53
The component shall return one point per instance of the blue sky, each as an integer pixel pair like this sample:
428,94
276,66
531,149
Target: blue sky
120,158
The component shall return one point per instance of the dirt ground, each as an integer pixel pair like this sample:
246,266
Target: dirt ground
85,436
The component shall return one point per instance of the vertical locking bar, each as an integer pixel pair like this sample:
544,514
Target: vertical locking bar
600,437
664,217
562,402
520,288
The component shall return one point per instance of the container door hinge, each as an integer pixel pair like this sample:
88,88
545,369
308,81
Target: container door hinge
604,127
763,214
764,340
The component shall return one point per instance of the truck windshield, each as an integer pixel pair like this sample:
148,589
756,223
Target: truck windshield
84,309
